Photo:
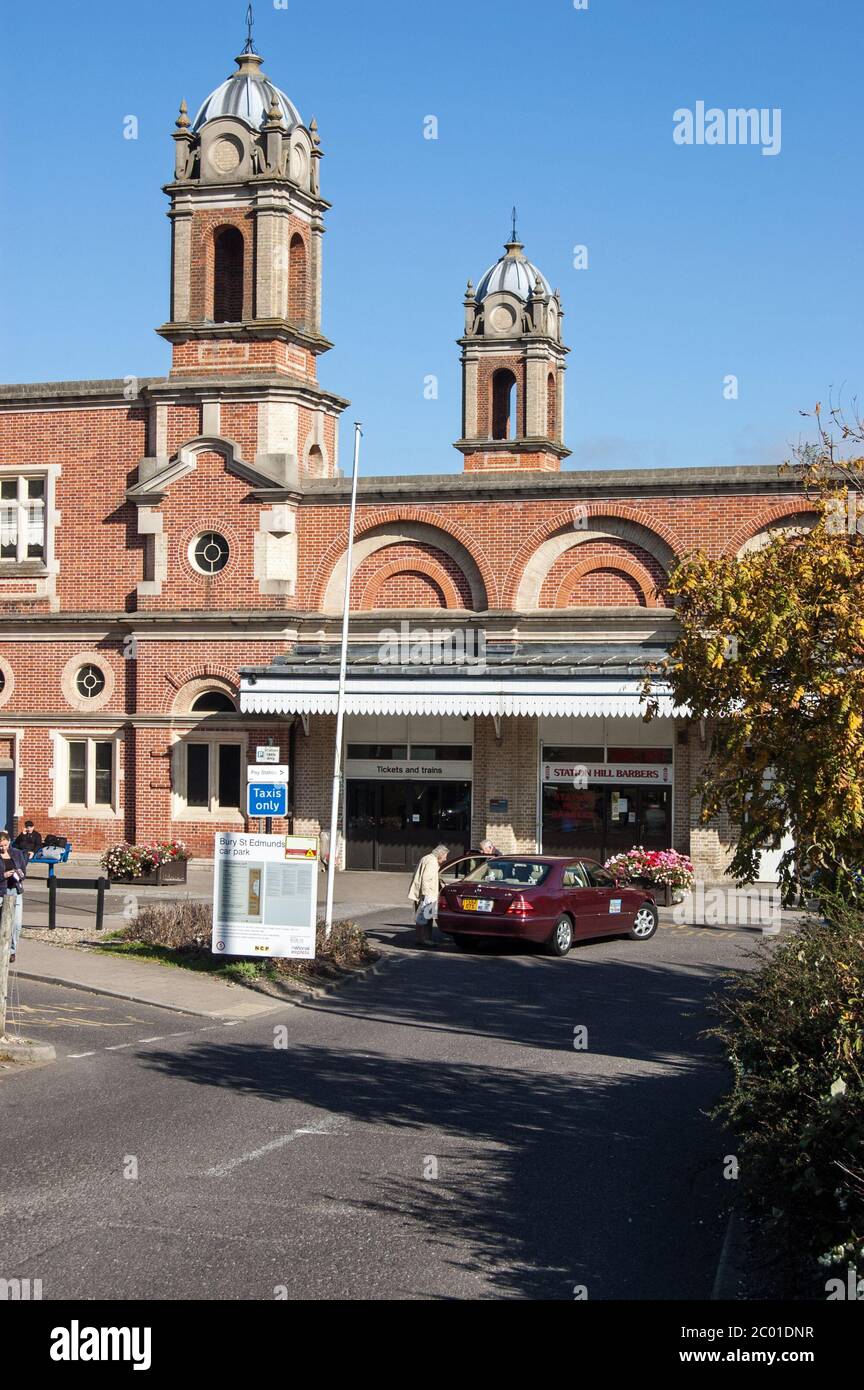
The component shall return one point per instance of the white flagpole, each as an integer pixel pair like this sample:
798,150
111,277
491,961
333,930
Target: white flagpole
340,706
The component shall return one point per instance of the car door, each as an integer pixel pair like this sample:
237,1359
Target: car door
606,897
580,900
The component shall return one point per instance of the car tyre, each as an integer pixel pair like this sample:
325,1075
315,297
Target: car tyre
644,923
560,938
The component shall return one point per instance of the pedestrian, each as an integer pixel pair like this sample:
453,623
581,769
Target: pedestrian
423,893
13,870
490,850
29,841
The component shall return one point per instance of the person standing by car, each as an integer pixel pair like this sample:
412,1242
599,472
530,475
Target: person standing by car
29,841
487,848
13,869
423,893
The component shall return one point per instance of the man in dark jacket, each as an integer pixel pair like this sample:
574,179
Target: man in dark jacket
13,871
29,841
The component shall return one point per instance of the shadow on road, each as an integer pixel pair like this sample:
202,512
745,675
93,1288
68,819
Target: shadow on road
554,1169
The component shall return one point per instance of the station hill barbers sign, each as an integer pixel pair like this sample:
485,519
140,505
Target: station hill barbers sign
596,774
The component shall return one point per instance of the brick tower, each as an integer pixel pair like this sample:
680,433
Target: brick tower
247,226
512,369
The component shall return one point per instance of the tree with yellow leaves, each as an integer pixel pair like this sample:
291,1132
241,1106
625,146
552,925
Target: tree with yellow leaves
771,652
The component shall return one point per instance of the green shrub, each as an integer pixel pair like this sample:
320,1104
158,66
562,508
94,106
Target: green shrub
794,1033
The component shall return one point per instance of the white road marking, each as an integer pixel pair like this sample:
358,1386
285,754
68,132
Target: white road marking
325,1126
80,1054
158,1038
118,1047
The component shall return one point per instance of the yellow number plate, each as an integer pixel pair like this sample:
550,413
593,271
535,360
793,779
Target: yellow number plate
470,904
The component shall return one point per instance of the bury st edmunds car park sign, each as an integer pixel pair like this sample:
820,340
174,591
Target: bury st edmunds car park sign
265,896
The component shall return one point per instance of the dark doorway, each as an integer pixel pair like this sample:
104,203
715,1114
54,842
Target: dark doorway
390,825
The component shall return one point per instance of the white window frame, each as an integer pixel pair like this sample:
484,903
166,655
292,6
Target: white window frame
213,811
89,808
22,505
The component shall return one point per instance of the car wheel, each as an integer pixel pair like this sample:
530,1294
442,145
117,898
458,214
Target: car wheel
561,938
644,923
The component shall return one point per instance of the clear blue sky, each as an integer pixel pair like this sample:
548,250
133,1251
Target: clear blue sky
703,261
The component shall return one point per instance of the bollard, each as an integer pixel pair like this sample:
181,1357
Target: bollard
52,902
7,917
101,885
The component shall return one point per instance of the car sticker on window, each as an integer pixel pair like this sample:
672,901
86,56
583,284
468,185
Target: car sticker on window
614,904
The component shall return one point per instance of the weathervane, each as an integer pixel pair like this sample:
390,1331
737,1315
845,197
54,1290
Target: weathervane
250,22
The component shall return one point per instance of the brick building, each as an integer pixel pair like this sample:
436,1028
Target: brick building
172,562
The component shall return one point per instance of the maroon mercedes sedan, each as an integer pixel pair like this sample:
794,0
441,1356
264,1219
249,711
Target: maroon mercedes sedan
535,897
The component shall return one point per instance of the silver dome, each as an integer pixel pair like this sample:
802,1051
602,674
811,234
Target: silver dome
247,94
514,273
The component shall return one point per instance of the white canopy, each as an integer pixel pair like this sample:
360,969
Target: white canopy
500,697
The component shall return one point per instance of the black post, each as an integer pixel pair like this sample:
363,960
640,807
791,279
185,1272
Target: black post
268,825
52,902
101,884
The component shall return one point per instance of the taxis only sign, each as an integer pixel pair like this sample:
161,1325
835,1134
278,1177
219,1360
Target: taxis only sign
265,896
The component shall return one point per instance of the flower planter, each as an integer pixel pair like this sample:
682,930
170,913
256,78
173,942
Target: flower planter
174,871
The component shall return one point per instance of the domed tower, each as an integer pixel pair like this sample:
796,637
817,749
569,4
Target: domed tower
512,368
247,221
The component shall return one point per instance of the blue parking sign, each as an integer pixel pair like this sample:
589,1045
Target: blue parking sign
267,799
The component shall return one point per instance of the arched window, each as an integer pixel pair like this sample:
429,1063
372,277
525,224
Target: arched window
504,397
228,276
552,408
298,288
315,464
213,702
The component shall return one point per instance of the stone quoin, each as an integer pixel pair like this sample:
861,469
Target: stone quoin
173,549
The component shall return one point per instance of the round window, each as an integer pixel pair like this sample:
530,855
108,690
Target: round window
209,553
89,682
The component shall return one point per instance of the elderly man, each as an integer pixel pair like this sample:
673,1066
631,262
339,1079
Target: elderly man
423,893
487,847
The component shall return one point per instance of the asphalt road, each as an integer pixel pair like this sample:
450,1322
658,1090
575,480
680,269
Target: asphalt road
431,1132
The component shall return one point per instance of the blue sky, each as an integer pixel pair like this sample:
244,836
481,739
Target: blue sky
703,261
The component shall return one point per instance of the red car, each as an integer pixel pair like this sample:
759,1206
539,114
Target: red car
541,898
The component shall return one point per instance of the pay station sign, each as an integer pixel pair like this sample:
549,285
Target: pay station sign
275,772
265,896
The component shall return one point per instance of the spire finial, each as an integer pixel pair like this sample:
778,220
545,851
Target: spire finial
514,238
182,121
250,25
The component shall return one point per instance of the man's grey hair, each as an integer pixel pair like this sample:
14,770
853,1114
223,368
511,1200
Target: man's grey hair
441,852
486,846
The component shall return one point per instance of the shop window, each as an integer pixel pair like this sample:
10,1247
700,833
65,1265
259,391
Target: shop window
639,755
572,755
90,773
440,753
387,752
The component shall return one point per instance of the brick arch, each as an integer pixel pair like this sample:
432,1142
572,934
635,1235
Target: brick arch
386,516
750,529
185,686
437,573
571,521
611,561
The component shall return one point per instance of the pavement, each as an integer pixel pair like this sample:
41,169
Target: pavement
456,1126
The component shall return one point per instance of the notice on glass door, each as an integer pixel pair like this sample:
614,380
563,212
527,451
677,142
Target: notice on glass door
265,896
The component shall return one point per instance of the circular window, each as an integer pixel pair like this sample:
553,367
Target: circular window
89,682
2,682
209,553
214,702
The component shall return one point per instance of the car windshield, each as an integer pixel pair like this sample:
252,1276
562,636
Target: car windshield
516,873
